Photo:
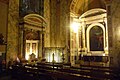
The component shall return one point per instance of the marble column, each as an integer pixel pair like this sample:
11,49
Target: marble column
21,36
106,36
12,35
83,36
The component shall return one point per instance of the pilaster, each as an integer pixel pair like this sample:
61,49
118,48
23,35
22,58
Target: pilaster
12,40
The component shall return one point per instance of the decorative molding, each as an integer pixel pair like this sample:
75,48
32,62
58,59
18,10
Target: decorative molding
35,19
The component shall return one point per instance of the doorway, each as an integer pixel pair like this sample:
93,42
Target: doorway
31,48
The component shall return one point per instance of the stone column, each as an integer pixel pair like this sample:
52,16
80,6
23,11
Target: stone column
83,36
39,46
110,31
21,34
12,37
106,36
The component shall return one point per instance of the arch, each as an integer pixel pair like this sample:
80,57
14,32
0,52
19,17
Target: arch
35,20
35,26
80,6
92,12
88,37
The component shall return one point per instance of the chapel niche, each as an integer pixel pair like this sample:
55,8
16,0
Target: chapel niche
96,39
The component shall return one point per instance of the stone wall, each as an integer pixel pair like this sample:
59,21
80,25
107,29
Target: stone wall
3,19
47,17
59,22
115,19
60,25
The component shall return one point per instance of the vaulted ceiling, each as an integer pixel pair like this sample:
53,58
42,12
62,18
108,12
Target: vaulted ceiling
78,7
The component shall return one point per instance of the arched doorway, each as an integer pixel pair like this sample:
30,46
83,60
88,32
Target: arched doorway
32,35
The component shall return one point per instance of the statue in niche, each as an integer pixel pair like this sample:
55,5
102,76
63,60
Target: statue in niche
96,39
32,56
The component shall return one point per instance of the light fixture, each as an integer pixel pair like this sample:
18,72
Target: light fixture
75,26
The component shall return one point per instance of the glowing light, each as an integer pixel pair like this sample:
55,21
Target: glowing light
31,47
103,54
27,56
54,54
75,26
57,57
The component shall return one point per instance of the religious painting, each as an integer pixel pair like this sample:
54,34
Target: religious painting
96,39
28,48
33,47
31,6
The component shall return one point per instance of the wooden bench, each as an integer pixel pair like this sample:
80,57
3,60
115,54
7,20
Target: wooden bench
49,71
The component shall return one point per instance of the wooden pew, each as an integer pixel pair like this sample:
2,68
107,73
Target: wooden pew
49,71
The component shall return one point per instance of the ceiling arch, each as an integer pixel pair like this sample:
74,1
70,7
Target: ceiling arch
93,12
78,7
35,19
35,22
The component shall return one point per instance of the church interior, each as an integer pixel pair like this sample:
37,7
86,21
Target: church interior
75,32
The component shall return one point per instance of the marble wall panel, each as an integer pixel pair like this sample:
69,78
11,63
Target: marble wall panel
115,19
59,22
47,17
53,23
64,22
3,19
